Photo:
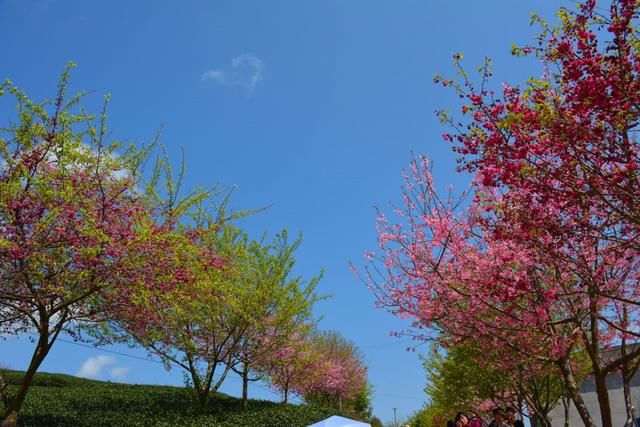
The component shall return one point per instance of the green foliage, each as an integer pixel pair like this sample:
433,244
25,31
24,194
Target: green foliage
457,381
463,379
360,403
429,416
63,400
273,301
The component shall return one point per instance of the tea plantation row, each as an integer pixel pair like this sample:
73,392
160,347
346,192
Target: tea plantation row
63,400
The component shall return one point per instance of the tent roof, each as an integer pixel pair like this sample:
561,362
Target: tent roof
337,421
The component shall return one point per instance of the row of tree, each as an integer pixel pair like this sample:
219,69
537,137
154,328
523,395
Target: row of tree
460,379
537,271
94,247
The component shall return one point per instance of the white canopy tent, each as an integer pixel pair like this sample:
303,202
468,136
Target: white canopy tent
337,421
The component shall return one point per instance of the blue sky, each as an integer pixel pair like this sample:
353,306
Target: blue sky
312,107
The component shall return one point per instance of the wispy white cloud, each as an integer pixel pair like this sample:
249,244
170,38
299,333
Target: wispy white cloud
92,366
119,373
244,70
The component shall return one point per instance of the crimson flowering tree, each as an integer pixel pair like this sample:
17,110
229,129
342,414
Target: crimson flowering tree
69,221
323,368
563,157
544,264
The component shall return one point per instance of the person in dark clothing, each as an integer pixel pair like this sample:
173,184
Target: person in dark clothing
499,418
511,418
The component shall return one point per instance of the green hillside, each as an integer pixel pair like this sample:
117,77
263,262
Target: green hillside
64,400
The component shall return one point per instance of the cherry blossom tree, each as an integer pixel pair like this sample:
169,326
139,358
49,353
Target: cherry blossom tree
543,265
212,301
344,372
467,277
293,365
186,306
70,218
321,367
563,156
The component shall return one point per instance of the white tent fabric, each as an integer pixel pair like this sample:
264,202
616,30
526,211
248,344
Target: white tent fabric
336,421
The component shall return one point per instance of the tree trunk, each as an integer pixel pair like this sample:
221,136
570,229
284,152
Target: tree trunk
627,375
540,420
15,403
536,421
566,403
202,391
574,392
628,401
245,385
592,341
203,400
214,388
603,399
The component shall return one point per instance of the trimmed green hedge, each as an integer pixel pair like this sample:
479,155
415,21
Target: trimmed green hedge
64,400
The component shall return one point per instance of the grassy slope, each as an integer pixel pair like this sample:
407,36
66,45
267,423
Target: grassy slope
64,400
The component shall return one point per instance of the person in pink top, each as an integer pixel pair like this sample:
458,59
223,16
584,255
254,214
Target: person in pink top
468,420
461,420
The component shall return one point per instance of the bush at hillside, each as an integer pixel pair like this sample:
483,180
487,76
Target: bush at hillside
63,400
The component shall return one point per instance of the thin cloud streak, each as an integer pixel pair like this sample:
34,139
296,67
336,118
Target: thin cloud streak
244,70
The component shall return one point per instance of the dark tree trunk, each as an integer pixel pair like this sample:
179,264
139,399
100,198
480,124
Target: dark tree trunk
603,398
15,402
203,400
540,420
245,385
574,392
593,348
201,388
566,402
